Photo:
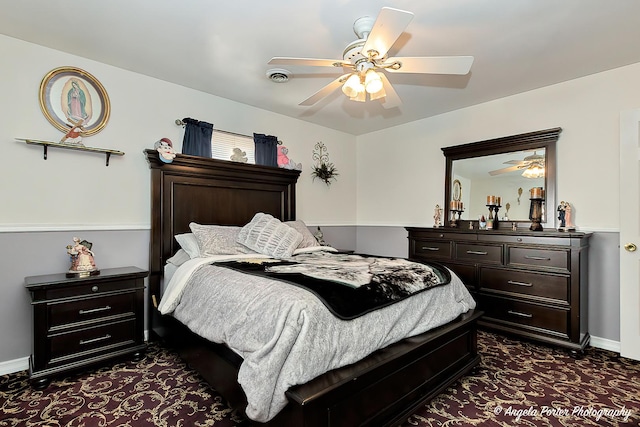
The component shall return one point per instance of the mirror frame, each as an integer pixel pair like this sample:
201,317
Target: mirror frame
527,141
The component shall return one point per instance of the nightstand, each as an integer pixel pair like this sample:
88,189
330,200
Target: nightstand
81,321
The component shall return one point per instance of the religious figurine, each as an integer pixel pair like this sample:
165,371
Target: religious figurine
165,148
82,261
562,215
568,217
437,216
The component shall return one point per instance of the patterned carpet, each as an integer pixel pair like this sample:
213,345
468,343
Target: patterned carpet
517,383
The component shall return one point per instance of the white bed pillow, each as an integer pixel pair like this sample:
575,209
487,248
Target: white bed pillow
308,239
217,239
179,258
269,236
188,242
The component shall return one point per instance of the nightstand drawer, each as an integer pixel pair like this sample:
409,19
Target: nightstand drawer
526,316
77,344
489,254
526,284
87,289
432,249
548,258
69,312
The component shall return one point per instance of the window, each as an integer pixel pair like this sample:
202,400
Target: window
223,143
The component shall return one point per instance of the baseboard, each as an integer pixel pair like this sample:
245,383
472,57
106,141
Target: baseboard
16,365
605,344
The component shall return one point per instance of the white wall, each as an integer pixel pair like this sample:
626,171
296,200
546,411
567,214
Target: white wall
401,170
74,188
46,203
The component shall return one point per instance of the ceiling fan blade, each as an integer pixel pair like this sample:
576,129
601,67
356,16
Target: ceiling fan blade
432,64
325,91
311,62
514,162
391,99
504,170
389,24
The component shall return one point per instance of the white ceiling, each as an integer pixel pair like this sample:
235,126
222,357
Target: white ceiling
222,47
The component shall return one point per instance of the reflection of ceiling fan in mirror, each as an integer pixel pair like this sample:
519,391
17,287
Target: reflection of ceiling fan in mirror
533,166
366,58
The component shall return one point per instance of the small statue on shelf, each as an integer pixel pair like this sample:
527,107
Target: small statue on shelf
239,156
566,217
82,261
562,212
437,217
164,147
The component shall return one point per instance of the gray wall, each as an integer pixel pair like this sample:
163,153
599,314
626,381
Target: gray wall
35,253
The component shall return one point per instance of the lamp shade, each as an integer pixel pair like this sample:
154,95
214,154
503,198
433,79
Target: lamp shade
372,82
352,87
533,171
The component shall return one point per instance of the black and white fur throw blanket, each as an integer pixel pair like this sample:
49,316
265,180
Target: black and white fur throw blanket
349,285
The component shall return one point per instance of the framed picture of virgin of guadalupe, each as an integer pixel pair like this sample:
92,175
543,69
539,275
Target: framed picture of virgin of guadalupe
71,97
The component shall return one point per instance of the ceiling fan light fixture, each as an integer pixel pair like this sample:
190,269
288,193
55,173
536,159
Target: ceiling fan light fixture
372,82
353,86
534,171
360,97
378,95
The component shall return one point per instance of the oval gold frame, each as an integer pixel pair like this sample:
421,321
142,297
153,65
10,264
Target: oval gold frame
457,190
96,108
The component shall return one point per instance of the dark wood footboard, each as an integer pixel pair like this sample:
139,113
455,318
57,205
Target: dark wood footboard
381,390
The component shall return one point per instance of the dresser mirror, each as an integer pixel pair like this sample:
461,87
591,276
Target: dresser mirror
495,167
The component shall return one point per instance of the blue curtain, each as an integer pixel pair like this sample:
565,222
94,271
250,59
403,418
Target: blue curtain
266,149
197,138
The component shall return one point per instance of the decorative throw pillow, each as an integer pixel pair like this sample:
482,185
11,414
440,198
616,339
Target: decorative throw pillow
269,236
188,242
216,239
308,240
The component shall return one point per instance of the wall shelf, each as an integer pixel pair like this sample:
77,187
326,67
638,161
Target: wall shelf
78,147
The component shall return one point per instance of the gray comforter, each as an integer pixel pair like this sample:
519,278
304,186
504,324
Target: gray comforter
287,336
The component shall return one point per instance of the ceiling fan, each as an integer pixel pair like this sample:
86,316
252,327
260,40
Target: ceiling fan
365,58
533,166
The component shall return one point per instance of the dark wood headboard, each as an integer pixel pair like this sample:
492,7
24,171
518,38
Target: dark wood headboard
209,191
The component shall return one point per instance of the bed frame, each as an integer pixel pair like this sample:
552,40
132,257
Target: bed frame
381,390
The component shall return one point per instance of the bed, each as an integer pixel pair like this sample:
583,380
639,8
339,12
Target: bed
381,389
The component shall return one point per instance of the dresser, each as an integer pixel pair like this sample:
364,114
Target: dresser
81,321
531,284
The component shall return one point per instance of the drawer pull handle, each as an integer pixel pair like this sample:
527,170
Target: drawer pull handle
477,252
513,282
537,258
94,289
517,313
428,248
94,310
91,341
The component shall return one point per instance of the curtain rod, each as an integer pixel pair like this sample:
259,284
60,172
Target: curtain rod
179,122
